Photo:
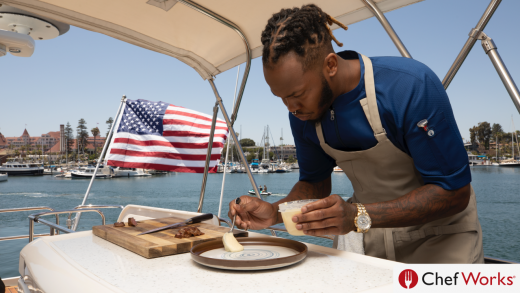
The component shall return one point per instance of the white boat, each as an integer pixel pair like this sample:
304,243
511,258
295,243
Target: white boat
295,166
509,163
3,177
87,173
337,169
15,168
261,193
129,172
196,34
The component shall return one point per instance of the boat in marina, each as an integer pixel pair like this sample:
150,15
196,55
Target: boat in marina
74,261
129,172
15,167
3,177
512,162
88,173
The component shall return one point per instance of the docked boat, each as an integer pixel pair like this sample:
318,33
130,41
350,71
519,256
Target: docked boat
84,262
87,173
3,177
16,168
129,172
295,166
509,163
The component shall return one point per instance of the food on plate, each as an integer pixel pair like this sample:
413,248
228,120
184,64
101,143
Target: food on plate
230,243
119,224
132,222
188,232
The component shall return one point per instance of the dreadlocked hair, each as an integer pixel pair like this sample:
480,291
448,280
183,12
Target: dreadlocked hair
303,30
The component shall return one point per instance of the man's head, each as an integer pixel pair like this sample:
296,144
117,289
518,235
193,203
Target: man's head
298,58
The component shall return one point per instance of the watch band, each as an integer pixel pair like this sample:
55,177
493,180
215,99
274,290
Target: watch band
361,212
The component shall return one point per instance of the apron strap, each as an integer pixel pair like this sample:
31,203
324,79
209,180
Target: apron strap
439,230
319,132
371,101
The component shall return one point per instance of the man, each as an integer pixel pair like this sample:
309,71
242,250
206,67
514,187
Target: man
387,122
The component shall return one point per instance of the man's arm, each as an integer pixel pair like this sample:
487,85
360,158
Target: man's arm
427,203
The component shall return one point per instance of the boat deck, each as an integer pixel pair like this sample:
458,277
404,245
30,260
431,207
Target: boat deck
13,289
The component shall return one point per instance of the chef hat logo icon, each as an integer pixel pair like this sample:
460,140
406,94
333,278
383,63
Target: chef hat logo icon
408,279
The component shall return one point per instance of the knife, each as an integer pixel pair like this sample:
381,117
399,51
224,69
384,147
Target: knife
189,221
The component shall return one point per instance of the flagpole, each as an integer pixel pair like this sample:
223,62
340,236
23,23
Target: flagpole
208,157
107,142
234,135
227,151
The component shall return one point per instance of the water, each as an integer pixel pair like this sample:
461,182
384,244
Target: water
497,189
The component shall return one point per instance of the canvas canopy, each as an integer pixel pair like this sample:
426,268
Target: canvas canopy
174,28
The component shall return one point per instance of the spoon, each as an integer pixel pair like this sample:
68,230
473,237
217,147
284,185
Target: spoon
237,201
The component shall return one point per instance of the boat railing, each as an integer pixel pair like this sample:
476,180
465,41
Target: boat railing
90,206
29,209
36,218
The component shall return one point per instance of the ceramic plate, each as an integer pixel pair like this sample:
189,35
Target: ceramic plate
258,254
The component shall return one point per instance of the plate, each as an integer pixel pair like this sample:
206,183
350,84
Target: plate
262,253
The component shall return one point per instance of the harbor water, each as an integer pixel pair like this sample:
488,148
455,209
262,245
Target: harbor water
497,190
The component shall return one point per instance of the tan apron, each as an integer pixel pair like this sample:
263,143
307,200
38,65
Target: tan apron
384,173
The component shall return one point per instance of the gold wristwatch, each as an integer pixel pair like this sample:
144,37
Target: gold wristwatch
362,220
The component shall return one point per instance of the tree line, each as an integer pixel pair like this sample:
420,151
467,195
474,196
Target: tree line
484,132
82,135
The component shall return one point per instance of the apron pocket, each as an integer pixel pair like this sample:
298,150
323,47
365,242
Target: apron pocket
434,231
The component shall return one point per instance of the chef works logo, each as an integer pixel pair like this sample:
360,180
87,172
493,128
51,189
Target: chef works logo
458,278
408,279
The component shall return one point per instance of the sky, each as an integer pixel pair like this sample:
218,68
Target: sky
83,74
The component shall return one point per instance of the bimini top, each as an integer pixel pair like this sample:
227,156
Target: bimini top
179,29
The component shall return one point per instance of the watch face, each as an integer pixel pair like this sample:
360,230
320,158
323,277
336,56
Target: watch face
364,222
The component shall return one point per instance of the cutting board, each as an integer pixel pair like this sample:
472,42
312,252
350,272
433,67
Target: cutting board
159,243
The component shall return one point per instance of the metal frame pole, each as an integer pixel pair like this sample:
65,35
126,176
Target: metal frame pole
237,29
491,50
473,37
208,157
234,135
388,27
107,142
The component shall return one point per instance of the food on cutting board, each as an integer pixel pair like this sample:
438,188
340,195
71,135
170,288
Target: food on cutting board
132,222
188,232
230,243
119,224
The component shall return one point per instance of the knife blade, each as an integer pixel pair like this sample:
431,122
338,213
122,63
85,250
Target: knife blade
189,221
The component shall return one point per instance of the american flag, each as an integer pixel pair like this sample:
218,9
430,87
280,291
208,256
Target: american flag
161,136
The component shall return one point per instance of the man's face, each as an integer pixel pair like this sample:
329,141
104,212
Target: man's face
308,93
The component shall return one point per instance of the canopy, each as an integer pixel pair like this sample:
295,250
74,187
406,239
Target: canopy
175,28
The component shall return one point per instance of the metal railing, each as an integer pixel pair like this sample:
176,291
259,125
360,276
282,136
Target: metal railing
28,209
36,218
89,206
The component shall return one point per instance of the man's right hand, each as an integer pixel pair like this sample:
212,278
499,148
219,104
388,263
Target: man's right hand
253,213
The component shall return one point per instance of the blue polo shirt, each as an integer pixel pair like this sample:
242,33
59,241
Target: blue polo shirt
407,92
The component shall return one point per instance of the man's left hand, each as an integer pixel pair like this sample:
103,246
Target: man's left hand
328,216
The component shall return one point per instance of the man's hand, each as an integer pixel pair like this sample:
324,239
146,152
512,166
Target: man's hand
253,213
327,216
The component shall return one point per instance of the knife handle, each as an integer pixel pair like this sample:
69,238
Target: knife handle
201,218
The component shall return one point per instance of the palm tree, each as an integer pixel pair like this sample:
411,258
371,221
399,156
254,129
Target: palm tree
95,132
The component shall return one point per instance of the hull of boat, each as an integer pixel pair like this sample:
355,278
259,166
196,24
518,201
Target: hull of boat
261,193
514,165
26,172
3,177
280,171
87,176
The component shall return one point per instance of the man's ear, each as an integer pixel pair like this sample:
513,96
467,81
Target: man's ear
330,65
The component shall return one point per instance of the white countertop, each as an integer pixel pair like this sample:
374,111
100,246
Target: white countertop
83,262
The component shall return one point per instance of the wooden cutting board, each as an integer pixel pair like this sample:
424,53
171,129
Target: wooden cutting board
159,243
